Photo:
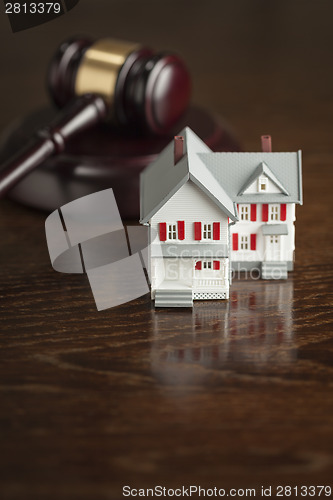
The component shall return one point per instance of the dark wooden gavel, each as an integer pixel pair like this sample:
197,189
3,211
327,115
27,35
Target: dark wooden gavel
105,80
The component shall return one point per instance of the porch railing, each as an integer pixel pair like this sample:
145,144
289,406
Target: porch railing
211,282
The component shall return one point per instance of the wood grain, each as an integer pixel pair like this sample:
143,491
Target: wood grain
232,394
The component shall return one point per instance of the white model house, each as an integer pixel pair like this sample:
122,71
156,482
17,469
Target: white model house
208,211
266,187
189,214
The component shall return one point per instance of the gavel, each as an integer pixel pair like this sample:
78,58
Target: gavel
107,80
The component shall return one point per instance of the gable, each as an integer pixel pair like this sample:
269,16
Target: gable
162,179
260,180
261,185
190,204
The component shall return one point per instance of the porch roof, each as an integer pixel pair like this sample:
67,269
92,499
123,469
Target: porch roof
274,229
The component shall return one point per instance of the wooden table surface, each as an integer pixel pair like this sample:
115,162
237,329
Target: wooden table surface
234,394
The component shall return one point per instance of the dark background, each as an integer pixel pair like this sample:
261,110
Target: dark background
235,394
268,61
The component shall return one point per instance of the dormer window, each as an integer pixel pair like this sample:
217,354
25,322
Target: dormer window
262,184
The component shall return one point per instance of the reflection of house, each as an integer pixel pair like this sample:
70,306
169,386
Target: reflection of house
253,331
192,198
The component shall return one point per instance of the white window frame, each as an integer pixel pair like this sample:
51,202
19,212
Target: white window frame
244,242
273,212
207,264
207,231
262,184
172,231
244,212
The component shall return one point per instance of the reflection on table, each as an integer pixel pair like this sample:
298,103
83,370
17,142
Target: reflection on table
252,332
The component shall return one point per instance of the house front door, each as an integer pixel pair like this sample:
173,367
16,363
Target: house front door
273,247
178,271
171,268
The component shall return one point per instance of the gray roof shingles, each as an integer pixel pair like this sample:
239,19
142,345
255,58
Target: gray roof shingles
161,179
234,172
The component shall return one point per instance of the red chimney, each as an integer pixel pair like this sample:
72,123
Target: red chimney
178,148
266,143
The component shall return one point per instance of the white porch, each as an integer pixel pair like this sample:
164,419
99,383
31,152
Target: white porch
205,281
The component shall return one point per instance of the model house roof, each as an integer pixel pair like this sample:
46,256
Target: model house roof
163,178
226,178
236,172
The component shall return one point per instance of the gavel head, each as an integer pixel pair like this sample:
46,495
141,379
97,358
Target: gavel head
141,88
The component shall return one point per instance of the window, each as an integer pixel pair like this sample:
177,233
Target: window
207,231
244,242
244,212
208,264
262,184
274,212
172,231
274,240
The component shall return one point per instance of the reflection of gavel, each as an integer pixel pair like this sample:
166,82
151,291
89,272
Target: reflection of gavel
105,80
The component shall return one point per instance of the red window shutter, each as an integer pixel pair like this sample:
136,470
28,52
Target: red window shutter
197,230
253,241
235,241
216,265
265,212
181,230
283,211
253,212
163,231
198,265
216,230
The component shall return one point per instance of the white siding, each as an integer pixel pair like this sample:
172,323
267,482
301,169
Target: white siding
191,205
248,228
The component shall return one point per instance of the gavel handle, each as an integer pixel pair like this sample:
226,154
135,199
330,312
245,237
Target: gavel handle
84,113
